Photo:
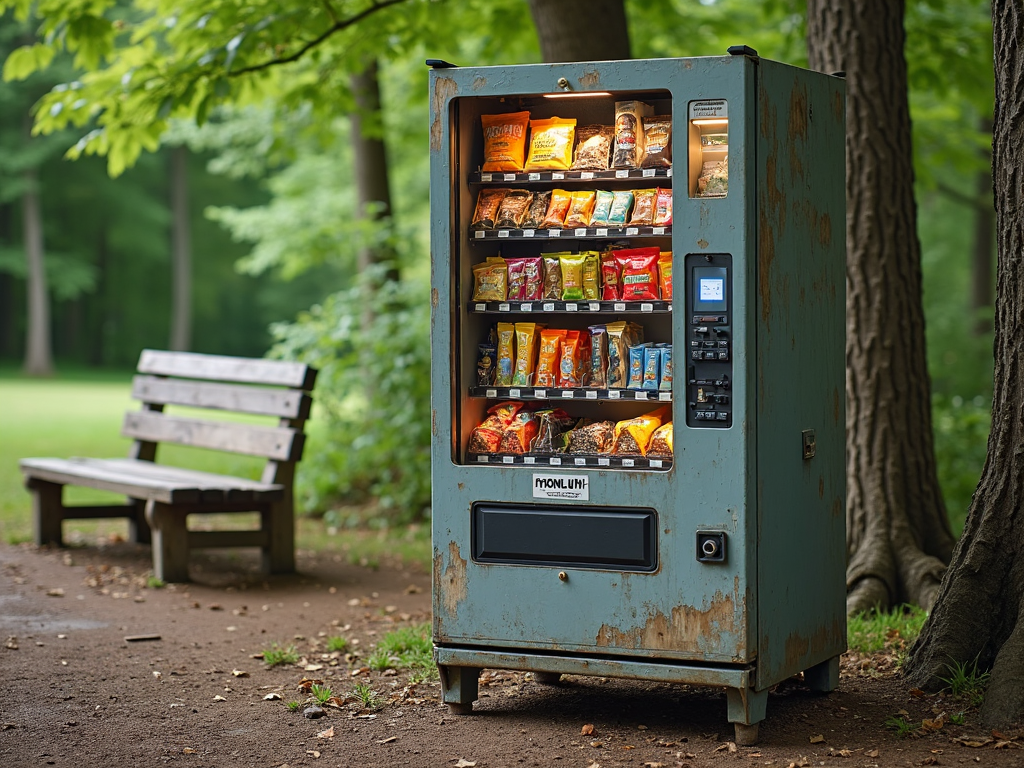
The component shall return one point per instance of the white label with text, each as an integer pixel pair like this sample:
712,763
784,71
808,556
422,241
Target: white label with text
574,487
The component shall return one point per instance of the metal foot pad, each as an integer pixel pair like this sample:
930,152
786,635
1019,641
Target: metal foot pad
460,709
746,735
547,678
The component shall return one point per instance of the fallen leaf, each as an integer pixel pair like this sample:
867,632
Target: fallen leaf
188,751
973,741
218,697
327,734
389,739
729,746
839,752
587,730
1005,744
594,764
272,697
463,763
872,753
917,693
313,667
817,739
239,673
997,735
55,592
934,724
801,762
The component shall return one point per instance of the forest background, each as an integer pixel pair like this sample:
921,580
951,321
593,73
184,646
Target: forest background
262,195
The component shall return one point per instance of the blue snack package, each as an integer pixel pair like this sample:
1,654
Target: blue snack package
666,369
636,366
652,368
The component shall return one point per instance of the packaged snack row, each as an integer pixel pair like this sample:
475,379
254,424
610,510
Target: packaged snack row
503,208
611,356
514,427
638,139
626,274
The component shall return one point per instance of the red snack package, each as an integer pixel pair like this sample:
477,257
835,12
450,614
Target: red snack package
611,277
516,279
518,436
486,438
665,274
639,273
533,272
663,208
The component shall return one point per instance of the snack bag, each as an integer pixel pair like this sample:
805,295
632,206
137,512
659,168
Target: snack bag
594,437
506,354
643,208
551,144
665,275
632,436
714,179
665,385
639,273
611,277
550,357
593,147
504,141
533,272
661,442
657,142
598,356
572,276
490,280
535,216
513,208
602,208
519,434
621,336
516,279
486,211
553,276
581,209
557,209
486,364
591,276
636,367
526,354
663,208
575,354
486,437
551,436
622,201
629,133
652,368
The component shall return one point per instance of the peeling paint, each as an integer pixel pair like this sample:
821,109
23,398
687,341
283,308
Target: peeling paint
688,628
450,584
444,89
702,243
798,112
433,421
590,80
479,82
435,298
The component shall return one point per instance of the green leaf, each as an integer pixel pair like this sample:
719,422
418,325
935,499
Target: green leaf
25,60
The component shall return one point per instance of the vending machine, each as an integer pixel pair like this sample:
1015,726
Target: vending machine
638,331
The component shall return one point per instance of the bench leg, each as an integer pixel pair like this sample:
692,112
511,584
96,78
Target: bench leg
138,528
47,512
279,524
170,541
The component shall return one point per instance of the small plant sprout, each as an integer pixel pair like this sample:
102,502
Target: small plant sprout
277,655
966,682
380,660
902,727
293,706
958,719
322,693
154,582
337,643
367,696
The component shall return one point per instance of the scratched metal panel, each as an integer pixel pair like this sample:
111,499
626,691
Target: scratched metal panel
800,370
685,609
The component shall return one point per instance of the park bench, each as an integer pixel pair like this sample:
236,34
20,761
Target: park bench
161,497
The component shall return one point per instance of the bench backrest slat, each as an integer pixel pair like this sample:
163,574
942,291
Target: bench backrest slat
276,443
191,365
239,398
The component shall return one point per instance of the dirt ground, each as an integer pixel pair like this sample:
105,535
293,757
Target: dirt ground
74,692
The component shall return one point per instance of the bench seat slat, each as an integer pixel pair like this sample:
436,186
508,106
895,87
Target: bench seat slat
145,480
278,443
283,403
191,365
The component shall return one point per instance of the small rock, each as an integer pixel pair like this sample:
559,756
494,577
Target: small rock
312,713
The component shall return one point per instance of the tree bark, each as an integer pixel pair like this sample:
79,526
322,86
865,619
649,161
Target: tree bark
979,614
581,30
38,349
371,166
981,247
181,253
898,535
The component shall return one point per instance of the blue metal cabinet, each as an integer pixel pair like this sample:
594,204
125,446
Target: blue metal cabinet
723,565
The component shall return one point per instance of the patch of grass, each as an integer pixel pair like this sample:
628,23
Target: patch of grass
277,655
293,706
322,693
368,697
154,582
966,682
875,631
406,648
337,643
402,546
380,660
901,726
423,675
958,718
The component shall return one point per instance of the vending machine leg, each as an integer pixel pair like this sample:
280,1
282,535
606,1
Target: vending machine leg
459,688
746,711
823,677
547,678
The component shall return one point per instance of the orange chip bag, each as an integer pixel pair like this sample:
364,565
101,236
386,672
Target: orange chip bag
665,275
575,358
557,209
504,141
581,209
634,435
551,143
550,354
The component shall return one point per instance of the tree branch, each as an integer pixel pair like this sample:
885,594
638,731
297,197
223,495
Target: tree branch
338,25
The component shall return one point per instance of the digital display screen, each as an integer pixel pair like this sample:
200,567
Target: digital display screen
710,289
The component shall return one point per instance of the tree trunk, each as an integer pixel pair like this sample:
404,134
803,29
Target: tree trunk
38,350
979,613
371,166
981,248
581,30
181,253
898,535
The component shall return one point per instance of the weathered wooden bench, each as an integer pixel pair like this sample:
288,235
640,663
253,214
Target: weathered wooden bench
161,497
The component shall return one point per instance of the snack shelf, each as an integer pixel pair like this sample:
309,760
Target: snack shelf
572,393
570,307
582,233
571,460
498,177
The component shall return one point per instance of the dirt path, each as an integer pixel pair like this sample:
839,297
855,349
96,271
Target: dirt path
74,692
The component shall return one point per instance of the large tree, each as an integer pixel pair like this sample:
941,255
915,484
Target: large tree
898,535
978,617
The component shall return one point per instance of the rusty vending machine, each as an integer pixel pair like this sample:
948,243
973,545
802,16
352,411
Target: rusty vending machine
638,324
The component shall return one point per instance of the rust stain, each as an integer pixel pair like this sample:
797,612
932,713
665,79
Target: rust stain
821,487
435,297
462,486
798,113
433,422
479,82
450,583
444,89
837,507
825,641
838,107
765,257
688,628
825,230
702,243
591,79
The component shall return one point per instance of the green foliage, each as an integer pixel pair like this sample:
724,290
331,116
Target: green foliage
321,693
961,444
901,726
293,706
875,631
337,644
367,696
410,647
373,391
966,682
277,655
155,582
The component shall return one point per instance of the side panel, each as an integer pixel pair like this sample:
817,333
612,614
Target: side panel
801,240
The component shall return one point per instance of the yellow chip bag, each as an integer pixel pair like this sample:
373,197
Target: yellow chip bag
551,143
490,280
592,276
661,442
504,141
581,209
526,354
506,354
633,436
